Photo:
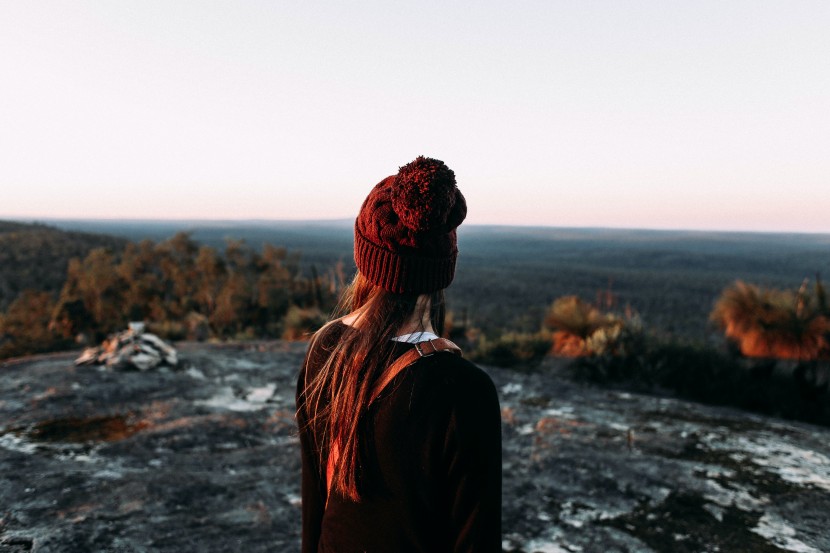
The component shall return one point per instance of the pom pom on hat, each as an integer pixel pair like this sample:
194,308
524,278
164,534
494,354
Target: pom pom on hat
405,237
423,194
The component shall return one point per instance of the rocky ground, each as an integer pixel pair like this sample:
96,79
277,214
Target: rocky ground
205,458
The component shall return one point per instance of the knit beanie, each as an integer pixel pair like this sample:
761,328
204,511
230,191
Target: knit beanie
404,236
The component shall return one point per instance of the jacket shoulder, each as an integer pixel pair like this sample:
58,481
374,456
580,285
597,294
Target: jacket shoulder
454,376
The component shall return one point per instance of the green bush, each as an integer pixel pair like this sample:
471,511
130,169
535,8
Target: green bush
512,350
300,323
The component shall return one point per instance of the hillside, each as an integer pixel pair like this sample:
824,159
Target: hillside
35,256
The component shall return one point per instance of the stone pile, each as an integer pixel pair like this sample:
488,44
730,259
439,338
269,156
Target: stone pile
132,348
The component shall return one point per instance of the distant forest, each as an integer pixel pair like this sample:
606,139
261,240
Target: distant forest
670,278
507,277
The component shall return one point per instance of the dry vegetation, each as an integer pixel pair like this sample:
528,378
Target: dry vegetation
184,289
782,324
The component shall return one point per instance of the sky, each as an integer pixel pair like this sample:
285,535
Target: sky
634,114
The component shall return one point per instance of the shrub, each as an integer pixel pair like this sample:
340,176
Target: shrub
300,323
167,329
25,329
782,324
702,373
512,350
580,329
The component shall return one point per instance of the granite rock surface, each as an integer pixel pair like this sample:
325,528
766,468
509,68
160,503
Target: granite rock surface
205,458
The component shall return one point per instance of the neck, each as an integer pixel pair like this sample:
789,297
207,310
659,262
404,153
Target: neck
415,325
419,321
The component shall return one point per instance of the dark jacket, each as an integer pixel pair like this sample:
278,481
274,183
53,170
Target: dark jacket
432,470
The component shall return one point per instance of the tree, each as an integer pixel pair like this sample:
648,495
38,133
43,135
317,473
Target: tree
92,296
175,259
272,293
211,275
229,317
142,277
24,328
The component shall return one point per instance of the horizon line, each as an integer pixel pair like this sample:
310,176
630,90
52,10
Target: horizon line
349,220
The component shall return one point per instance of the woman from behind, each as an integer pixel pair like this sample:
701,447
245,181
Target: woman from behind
400,436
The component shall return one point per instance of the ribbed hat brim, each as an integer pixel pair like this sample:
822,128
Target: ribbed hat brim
399,273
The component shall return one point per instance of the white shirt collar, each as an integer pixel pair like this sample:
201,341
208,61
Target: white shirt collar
415,337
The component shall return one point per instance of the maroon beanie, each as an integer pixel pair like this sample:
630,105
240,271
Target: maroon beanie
404,235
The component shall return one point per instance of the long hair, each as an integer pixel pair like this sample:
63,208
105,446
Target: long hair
337,398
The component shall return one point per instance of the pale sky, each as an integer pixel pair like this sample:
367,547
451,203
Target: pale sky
659,114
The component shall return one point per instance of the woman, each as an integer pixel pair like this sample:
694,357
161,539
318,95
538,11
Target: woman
399,455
